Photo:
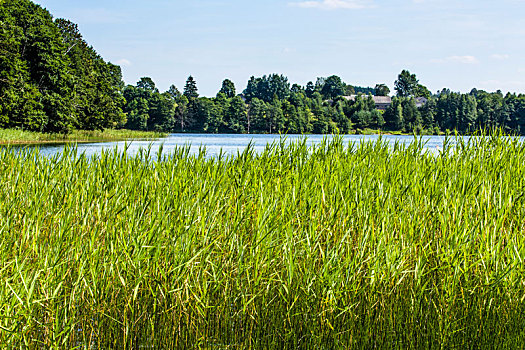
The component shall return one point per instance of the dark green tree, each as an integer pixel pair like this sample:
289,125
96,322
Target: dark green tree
381,90
251,90
428,114
267,88
51,80
96,90
276,120
394,115
34,70
161,112
378,119
363,118
333,87
275,86
190,88
411,115
182,118
174,92
296,89
180,109
258,115
349,90
422,91
310,89
236,116
406,84
228,88
215,119
147,84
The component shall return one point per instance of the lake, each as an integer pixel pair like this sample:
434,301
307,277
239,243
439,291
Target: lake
229,144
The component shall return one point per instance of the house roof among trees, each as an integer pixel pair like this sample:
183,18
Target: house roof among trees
421,101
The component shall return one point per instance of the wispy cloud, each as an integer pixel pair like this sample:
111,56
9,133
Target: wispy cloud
456,59
335,4
500,57
124,62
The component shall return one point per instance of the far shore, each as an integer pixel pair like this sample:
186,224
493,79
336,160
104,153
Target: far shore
22,137
68,141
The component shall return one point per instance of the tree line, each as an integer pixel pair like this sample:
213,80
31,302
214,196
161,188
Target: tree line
269,104
51,80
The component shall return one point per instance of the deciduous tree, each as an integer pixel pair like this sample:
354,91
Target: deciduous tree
228,88
406,84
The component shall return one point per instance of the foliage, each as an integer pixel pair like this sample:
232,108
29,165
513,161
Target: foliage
406,84
365,246
332,87
228,88
381,90
16,136
267,88
190,89
147,109
51,80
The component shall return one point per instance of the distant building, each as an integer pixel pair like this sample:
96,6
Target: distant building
382,102
421,101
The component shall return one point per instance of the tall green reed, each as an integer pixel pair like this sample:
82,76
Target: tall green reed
332,246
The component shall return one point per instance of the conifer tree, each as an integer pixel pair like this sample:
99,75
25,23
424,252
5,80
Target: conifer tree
190,89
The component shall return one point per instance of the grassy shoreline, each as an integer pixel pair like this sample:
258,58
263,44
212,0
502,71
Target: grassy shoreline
322,247
20,137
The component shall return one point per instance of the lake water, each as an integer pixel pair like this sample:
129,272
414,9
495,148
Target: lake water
229,144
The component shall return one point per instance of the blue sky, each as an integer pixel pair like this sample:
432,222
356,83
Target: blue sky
453,44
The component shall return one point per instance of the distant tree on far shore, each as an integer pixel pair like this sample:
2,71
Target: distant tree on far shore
190,89
382,90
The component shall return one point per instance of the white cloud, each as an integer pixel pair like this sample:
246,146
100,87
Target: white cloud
500,57
334,4
456,59
124,62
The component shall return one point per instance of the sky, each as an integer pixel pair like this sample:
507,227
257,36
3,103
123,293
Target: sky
455,44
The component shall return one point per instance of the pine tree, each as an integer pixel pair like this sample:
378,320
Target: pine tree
190,89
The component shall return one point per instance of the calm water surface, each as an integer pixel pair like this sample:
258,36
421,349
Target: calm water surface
229,144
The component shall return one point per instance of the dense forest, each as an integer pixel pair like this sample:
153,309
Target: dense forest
51,80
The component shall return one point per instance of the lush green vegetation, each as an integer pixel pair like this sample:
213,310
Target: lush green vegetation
51,80
327,247
13,136
270,105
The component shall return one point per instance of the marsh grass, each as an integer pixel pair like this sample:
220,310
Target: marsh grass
14,136
333,246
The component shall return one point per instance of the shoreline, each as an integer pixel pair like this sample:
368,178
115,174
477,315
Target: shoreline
19,137
63,142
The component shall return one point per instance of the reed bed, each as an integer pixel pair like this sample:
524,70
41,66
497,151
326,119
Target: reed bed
15,136
331,246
